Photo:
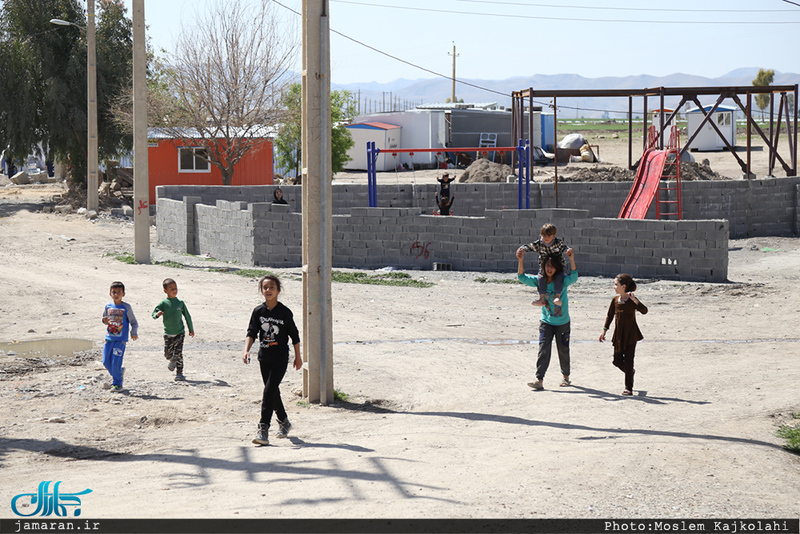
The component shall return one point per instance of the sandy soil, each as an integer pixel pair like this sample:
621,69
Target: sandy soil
439,422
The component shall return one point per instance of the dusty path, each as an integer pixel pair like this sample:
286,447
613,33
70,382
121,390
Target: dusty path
439,422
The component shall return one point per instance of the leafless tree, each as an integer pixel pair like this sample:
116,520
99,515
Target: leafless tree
223,82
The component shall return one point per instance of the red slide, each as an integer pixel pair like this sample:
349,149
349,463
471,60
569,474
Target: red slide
645,185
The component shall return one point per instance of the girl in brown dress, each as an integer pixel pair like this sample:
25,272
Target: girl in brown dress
622,311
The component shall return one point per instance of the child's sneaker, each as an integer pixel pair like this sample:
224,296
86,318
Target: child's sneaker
116,389
171,365
180,378
283,428
538,386
261,436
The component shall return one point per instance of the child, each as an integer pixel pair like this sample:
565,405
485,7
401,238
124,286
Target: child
277,197
626,332
119,318
445,204
548,244
273,323
554,324
444,186
174,312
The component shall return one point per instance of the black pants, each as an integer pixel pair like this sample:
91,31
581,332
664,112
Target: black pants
624,361
272,372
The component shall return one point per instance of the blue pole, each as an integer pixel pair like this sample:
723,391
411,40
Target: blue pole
372,171
528,174
520,157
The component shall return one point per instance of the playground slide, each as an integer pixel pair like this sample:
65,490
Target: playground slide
645,185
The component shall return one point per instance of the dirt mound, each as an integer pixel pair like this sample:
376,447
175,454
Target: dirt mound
690,171
600,174
483,170
696,171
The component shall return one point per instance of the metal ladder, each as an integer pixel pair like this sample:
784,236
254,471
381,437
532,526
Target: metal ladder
668,199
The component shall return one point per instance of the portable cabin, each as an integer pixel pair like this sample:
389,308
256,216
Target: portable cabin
385,136
454,125
708,139
171,161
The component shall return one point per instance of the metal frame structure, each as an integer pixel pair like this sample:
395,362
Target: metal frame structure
687,94
522,151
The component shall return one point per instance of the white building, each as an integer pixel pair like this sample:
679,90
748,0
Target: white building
444,126
386,137
708,139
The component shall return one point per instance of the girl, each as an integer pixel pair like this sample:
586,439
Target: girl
274,324
554,321
626,332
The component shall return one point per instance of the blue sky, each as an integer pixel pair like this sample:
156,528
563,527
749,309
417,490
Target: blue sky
504,39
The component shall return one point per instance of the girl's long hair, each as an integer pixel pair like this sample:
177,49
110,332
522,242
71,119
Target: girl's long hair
556,261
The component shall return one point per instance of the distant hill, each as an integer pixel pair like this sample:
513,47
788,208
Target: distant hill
376,97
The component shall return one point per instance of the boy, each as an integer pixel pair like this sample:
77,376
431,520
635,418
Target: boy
119,318
444,189
548,245
174,312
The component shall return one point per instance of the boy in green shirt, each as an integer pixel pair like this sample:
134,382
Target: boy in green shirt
174,312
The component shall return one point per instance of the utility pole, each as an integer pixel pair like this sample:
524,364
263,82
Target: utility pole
317,211
141,180
92,202
453,98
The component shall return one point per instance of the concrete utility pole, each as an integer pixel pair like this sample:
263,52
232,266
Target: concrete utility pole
317,213
91,103
453,99
141,179
91,85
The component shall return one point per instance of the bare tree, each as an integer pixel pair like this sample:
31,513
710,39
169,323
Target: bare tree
224,81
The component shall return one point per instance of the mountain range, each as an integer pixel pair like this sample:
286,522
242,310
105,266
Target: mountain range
376,97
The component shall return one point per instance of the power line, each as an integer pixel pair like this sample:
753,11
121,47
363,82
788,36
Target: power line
429,71
651,9
440,75
568,19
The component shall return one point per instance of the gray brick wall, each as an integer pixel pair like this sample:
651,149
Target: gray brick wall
408,238
753,208
240,223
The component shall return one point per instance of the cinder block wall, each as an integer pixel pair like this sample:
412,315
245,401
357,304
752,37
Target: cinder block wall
753,208
371,238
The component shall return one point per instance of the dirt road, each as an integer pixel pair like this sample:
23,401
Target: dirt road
439,420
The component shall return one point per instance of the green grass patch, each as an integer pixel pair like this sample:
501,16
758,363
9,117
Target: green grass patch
124,257
484,280
170,263
391,278
303,404
247,273
340,396
791,433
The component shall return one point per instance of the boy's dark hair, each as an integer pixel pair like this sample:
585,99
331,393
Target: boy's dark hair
118,285
269,277
627,281
548,229
168,282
